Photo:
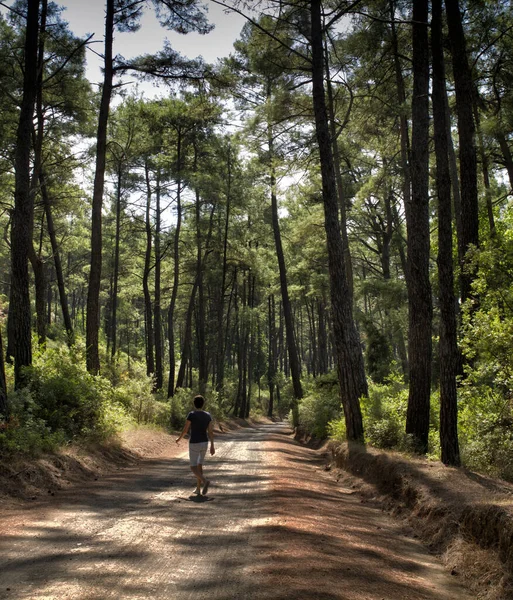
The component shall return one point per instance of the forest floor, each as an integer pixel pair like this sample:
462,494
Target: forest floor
281,521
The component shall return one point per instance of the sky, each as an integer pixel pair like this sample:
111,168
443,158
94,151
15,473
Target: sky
87,17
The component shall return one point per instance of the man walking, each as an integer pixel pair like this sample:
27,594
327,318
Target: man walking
199,422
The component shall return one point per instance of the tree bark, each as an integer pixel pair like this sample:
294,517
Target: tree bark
467,144
4,403
150,340
176,270
448,346
202,357
114,315
220,307
157,314
350,364
38,265
271,361
19,329
95,273
338,178
40,289
417,220
63,298
295,368
403,117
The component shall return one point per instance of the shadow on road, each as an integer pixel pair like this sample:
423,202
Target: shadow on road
275,531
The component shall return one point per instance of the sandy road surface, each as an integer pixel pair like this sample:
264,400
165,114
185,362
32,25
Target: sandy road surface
273,526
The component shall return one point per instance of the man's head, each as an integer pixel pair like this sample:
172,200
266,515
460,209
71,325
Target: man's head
199,401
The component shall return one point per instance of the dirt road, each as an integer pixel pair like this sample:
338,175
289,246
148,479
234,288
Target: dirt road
273,526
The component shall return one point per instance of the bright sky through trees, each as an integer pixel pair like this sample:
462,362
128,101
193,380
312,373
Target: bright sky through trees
86,17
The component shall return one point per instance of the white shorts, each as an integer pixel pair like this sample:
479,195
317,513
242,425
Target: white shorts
197,453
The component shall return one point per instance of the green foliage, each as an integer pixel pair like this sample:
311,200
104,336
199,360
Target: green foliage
378,354
133,391
25,432
320,405
384,417
67,397
181,404
486,401
64,402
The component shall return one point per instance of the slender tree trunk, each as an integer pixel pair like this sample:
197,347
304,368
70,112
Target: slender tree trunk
40,289
323,338
338,176
350,365
271,361
484,166
157,313
403,118
49,300
202,358
63,298
448,331
243,353
186,343
150,340
35,258
220,317
176,270
93,293
114,316
19,329
453,169
4,403
467,144
295,368
417,220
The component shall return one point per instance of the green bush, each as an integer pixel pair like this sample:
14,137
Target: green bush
384,417
486,430
25,433
62,401
320,405
181,405
134,392
485,395
67,397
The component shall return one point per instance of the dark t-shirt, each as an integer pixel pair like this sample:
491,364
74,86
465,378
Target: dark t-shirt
199,424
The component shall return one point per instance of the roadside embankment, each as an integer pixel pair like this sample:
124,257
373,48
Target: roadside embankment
464,517
24,479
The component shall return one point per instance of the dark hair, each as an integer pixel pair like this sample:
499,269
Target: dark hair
199,401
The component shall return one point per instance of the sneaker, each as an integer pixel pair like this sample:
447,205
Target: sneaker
205,487
197,491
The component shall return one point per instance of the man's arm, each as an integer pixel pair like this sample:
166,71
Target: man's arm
210,433
185,430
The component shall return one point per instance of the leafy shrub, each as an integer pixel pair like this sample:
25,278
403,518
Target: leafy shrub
384,416
486,430
486,399
133,391
181,405
25,433
66,396
320,405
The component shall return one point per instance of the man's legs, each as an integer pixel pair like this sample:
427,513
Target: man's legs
197,454
198,472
